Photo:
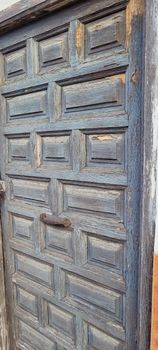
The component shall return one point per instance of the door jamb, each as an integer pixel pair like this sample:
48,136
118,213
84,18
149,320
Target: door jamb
4,335
148,177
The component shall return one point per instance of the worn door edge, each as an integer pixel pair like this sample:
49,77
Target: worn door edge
20,13
148,179
4,340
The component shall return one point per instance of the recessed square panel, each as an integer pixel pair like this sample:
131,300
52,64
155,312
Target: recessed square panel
102,35
15,63
23,228
18,149
33,339
105,150
58,241
101,253
54,51
56,150
35,270
99,340
27,301
61,321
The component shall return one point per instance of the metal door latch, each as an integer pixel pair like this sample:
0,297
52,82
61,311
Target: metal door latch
55,220
2,190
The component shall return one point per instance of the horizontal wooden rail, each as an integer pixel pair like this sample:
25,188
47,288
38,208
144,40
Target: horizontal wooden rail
28,11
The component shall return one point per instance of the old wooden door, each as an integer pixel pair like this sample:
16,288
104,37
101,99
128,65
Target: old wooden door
70,139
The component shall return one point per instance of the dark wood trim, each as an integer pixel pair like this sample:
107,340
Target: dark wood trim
148,180
25,11
4,333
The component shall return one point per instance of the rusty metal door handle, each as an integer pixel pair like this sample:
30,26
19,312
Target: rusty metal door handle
55,220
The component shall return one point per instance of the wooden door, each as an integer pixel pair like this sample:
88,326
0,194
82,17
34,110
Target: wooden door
70,139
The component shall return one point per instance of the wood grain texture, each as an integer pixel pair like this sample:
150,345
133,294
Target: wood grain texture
135,18
25,11
27,301
54,50
28,105
4,327
15,63
100,341
105,34
33,338
148,187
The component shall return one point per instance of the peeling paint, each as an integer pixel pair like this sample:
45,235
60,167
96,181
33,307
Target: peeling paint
130,15
79,37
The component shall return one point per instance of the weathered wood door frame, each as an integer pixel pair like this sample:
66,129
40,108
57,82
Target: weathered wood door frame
22,12
4,344
149,163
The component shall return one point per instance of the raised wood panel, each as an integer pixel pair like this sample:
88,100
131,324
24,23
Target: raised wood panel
93,200
19,149
99,94
34,270
55,150
104,253
54,50
34,191
15,63
33,339
105,150
85,294
36,9
58,240
99,340
61,320
27,301
23,228
104,34
29,105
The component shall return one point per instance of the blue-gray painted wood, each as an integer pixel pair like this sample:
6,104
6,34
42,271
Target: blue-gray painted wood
70,138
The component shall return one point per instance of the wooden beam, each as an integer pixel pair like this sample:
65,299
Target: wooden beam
28,11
